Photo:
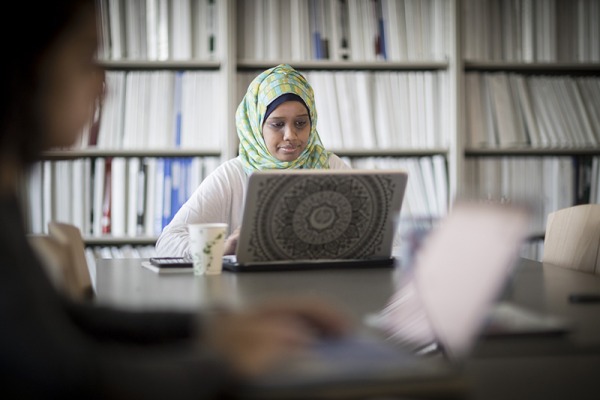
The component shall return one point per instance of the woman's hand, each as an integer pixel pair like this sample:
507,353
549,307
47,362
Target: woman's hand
231,242
256,340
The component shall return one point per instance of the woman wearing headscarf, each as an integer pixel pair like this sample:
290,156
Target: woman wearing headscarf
277,129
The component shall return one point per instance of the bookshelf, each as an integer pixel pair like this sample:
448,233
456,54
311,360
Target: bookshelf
151,64
551,146
465,37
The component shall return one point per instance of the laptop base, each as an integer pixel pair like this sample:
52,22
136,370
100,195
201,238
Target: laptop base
233,266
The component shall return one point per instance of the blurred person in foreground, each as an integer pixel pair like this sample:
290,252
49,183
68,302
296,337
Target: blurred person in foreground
52,347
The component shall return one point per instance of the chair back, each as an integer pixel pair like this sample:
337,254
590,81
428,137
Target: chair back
63,253
572,238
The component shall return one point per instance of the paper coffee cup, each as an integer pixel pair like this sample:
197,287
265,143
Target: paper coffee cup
207,243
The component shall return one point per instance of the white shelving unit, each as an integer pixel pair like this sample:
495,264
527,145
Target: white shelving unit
454,65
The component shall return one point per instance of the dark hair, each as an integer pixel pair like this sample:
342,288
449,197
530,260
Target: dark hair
282,99
29,31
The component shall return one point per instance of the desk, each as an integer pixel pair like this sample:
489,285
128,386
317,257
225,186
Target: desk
527,367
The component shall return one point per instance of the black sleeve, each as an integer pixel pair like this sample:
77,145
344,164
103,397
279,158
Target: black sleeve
109,324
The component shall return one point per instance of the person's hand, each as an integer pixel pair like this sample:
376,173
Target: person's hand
255,340
231,242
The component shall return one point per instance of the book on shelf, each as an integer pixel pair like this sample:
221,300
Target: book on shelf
141,199
414,109
259,22
79,203
176,189
97,196
545,183
34,194
62,208
116,28
110,125
112,196
541,110
133,190
345,115
165,216
151,192
382,111
595,181
395,30
583,184
427,188
300,28
411,34
212,19
245,11
370,110
427,174
272,43
380,41
103,30
532,110
47,189
181,38
589,88
317,30
581,117
118,197
324,91
135,30
527,32
524,105
202,117
105,211
158,30
364,109
158,110
440,177
354,30
200,30
370,32
283,51
342,46
177,107
531,30
398,102
508,123
431,115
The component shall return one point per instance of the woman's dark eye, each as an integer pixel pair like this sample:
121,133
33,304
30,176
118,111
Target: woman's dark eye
300,124
277,125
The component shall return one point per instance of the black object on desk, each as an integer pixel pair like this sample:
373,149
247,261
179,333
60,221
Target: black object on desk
229,264
584,298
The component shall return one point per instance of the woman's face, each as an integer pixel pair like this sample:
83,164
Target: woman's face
287,130
72,82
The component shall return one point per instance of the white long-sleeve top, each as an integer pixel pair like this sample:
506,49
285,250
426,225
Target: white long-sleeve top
219,198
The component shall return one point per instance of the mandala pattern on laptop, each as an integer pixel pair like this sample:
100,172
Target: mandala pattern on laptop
310,218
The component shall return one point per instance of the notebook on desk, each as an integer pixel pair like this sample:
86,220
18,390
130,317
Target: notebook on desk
303,219
458,275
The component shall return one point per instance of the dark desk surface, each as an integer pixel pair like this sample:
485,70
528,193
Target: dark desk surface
518,367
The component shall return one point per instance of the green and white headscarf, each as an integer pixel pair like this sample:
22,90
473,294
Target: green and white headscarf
250,114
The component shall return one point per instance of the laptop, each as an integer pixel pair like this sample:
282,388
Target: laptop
457,276
303,219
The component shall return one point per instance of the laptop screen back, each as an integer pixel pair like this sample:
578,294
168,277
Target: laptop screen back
320,215
462,267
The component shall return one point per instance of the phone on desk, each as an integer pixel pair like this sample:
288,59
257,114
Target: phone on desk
171,262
